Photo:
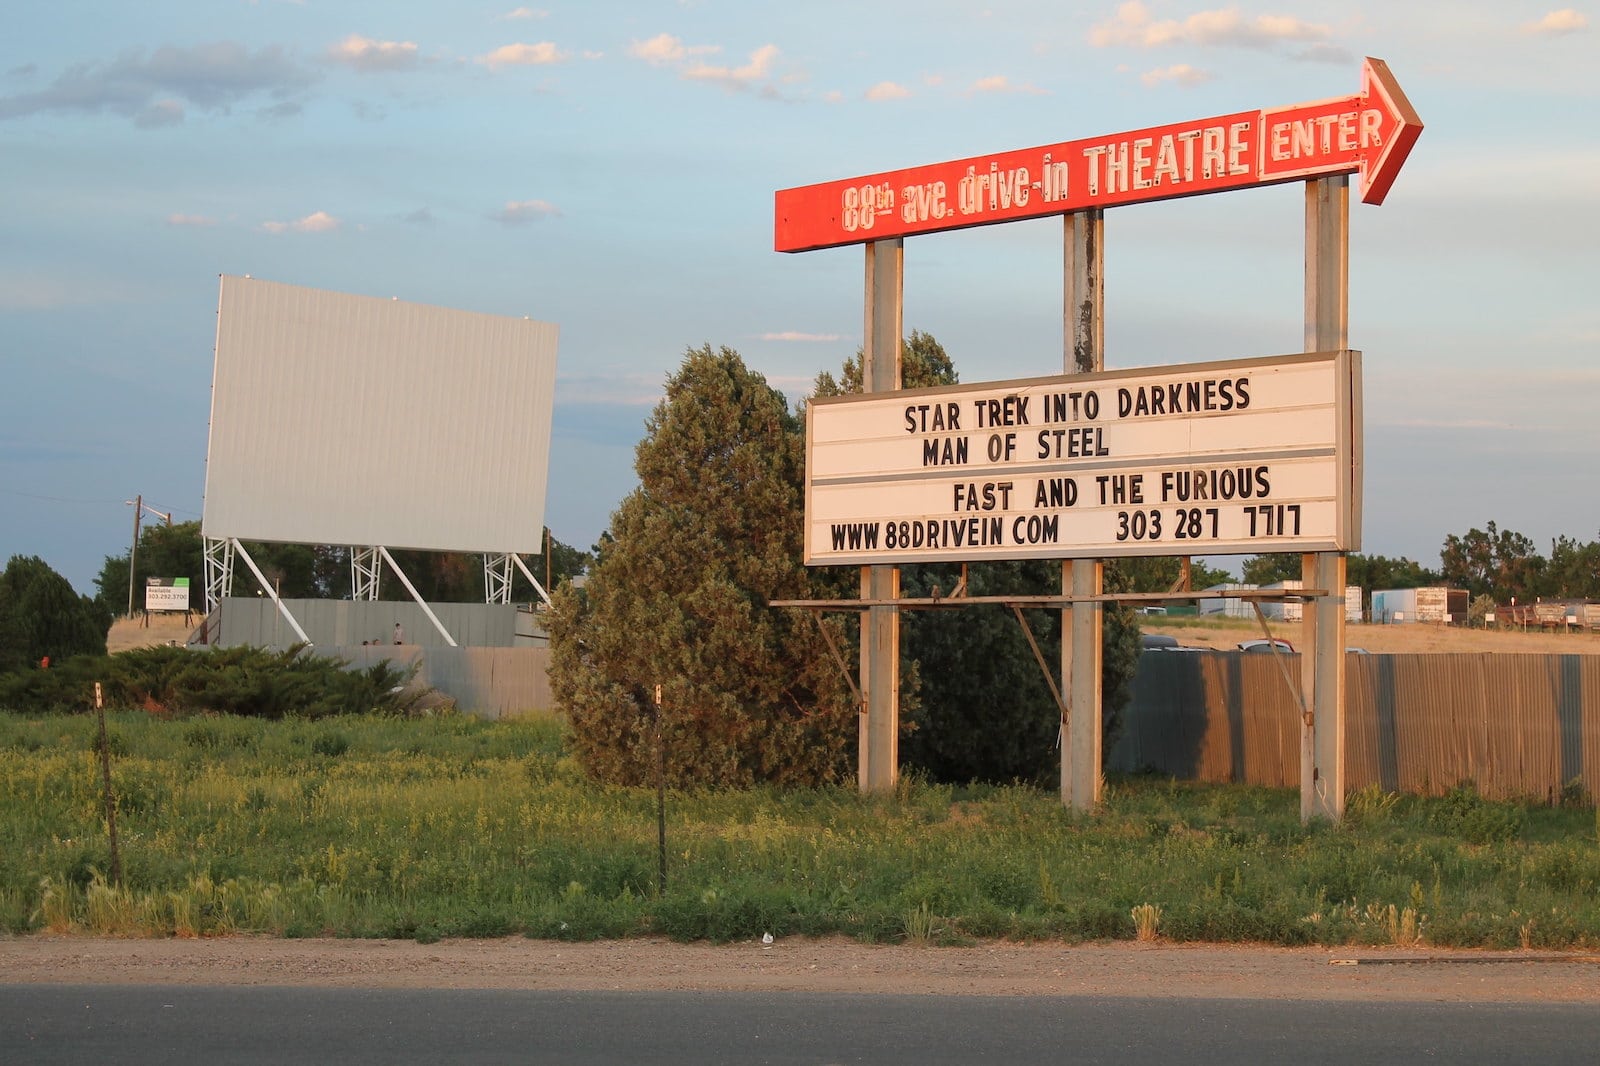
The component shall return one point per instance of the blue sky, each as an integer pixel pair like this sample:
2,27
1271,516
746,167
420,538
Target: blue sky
610,167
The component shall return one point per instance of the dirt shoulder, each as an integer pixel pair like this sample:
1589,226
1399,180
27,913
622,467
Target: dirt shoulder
819,966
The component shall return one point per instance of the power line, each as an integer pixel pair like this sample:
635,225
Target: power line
69,499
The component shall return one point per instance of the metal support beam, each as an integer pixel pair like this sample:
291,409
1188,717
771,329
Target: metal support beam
270,590
543,595
219,570
1322,665
497,577
366,573
879,757
1083,342
406,581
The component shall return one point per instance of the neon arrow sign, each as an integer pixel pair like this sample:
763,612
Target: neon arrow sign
1369,133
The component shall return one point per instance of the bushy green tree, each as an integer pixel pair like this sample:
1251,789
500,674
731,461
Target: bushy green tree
165,550
1271,569
1382,572
678,595
41,615
1495,562
1158,573
1574,570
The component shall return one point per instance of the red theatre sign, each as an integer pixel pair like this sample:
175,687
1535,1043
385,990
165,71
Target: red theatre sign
1370,132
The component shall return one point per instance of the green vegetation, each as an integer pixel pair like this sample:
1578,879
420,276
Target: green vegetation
41,617
450,826
253,682
677,604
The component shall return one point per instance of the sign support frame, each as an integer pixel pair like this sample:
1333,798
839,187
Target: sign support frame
1084,339
878,765
1322,665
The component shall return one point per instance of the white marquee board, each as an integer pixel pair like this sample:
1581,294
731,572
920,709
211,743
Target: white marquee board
340,419
1249,456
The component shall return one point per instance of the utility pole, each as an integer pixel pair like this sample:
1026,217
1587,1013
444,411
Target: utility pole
133,552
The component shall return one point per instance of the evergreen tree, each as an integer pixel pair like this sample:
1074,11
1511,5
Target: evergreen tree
41,615
677,598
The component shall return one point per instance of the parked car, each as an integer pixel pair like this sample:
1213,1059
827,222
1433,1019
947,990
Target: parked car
1162,642
1275,644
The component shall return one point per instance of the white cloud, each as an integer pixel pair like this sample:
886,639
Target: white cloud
517,212
1182,74
523,55
1132,26
525,13
999,83
364,53
180,219
1558,23
664,48
755,70
152,89
792,335
888,90
316,222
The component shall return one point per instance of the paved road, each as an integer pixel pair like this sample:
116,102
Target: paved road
137,1024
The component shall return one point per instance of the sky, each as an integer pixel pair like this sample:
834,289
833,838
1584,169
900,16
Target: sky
610,167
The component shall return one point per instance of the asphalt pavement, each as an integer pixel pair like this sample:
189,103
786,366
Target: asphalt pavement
170,1025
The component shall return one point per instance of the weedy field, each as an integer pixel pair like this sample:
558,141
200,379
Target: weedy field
452,826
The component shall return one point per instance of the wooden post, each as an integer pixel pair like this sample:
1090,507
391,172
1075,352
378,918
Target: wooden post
1322,667
105,778
1083,335
879,757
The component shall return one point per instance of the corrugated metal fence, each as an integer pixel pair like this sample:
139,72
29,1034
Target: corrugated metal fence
492,682
1516,725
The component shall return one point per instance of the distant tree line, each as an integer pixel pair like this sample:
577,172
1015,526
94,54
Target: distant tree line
1503,565
306,571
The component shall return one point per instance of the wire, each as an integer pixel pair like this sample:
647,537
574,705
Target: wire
69,499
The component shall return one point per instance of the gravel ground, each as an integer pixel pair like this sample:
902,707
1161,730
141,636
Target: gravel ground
833,965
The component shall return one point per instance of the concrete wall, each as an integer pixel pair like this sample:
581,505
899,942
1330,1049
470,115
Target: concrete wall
255,620
490,682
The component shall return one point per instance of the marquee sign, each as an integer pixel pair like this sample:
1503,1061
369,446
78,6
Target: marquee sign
1242,457
1370,132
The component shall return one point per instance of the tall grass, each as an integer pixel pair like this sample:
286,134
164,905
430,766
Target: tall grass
427,828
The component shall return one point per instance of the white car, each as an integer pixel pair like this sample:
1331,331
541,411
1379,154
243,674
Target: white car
1275,644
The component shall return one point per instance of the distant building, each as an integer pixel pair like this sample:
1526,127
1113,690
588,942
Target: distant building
1228,606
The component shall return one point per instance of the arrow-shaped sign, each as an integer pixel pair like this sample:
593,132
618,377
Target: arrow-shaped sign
1370,132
